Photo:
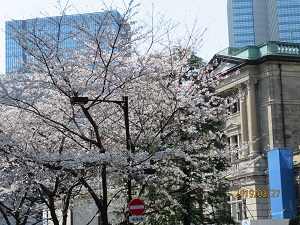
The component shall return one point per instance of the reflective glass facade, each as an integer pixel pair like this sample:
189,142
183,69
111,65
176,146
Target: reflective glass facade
253,22
289,20
14,54
243,23
55,30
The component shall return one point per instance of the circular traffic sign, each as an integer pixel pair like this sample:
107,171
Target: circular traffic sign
136,207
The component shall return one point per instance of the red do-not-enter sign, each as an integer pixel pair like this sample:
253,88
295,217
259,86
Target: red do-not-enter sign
136,207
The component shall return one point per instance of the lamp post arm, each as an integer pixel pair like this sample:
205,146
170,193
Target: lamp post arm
118,102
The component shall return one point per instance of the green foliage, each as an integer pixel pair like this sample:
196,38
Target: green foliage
295,221
195,62
180,193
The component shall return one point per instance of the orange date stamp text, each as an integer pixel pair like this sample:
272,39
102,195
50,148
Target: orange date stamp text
260,193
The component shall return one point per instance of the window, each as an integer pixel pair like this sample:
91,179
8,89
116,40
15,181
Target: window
234,108
234,142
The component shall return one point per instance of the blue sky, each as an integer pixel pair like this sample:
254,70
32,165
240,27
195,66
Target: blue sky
210,14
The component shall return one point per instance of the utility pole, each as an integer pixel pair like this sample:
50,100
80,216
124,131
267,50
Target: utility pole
124,105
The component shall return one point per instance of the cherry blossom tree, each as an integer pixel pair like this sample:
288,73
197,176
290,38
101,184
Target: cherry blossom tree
63,152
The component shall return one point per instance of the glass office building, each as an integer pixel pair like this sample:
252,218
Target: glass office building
288,20
253,22
67,32
242,26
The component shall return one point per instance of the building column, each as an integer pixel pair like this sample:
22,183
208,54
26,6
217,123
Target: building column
233,156
243,118
252,118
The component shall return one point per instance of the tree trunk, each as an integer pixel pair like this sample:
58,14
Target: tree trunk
104,207
186,197
186,219
52,212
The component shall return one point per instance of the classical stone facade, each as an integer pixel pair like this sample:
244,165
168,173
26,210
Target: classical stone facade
267,116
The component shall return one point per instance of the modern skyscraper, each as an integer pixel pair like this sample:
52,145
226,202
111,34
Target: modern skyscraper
253,22
63,32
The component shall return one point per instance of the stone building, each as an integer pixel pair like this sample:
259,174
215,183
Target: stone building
267,116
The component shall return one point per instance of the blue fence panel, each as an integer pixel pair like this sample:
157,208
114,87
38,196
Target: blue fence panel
282,185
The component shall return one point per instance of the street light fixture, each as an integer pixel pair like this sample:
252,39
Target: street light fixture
79,100
124,105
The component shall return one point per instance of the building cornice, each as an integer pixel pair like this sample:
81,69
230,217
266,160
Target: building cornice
256,55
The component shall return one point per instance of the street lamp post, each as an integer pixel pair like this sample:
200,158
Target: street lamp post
124,105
